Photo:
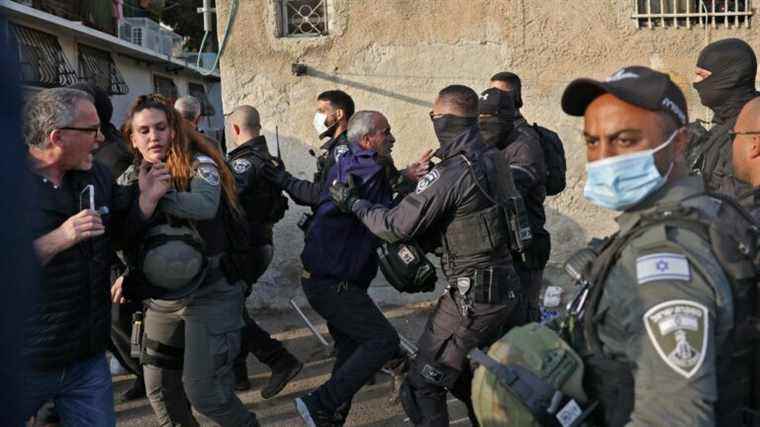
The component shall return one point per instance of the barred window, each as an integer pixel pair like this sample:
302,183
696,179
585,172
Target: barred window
302,18
688,13
97,67
41,58
166,87
198,91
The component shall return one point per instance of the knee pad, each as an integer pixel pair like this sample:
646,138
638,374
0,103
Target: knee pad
161,355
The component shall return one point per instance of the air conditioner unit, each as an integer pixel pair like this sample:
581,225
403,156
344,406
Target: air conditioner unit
171,43
125,31
145,32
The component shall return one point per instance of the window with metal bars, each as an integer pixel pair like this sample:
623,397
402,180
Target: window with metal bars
41,58
97,67
166,87
302,18
690,13
198,91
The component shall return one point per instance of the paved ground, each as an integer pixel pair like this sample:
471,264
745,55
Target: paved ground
370,407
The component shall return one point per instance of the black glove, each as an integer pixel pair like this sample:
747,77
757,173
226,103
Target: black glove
274,172
344,195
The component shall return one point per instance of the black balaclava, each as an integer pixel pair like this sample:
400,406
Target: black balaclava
732,83
497,109
449,127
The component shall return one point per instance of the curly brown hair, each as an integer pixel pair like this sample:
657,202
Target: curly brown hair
186,141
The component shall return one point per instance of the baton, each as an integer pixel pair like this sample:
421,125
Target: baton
308,323
277,140
406,345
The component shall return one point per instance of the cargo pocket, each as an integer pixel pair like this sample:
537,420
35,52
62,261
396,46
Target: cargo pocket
224,343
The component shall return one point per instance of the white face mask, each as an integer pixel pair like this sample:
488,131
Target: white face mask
319,122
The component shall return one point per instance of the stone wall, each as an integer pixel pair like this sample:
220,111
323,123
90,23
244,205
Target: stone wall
394,55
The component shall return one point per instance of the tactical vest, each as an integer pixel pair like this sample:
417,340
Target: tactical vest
262,202
611,381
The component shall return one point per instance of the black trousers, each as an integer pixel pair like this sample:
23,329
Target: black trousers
442,363
364,339
258,342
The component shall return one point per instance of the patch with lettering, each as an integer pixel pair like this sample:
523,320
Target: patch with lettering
678,331
208,173
662,266
340,150
241,165
427,180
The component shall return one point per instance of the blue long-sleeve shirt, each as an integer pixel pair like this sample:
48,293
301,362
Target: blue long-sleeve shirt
338,245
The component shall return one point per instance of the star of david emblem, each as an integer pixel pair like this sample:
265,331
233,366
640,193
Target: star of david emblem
661,266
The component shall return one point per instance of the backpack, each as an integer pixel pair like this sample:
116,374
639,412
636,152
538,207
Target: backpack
554,156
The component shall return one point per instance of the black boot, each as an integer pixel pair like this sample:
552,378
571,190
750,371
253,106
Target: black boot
136,391
283,370
241,376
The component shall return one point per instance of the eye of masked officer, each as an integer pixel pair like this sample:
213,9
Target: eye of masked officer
497,116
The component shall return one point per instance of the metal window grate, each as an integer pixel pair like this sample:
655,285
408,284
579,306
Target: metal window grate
96,66
166,87
303,18
688,13
199,91
41,58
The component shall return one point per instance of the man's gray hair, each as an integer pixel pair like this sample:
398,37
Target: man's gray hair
360,124
48,110
189,107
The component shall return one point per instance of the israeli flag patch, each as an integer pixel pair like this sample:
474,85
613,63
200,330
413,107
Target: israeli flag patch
662,266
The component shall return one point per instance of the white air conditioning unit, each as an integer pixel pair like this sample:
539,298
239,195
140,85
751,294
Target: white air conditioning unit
125,31
145,33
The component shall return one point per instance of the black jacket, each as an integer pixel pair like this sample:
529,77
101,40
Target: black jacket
70,318
263,203
306,193
526,159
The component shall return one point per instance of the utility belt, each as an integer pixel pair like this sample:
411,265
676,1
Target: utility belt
494,286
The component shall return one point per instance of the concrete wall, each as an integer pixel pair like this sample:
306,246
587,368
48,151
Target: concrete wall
394,55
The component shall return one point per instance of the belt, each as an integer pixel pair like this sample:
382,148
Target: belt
213,269
487,285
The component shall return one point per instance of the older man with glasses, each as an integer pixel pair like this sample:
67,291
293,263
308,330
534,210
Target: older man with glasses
77,212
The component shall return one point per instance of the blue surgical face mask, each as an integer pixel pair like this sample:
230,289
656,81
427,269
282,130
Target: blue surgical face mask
620,182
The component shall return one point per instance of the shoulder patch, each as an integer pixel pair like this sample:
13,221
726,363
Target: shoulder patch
662,266
340,150
678,331
208,173
427,180
241,165
202,158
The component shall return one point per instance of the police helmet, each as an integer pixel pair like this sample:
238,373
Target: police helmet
173,260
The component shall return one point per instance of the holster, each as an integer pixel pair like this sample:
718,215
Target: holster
494,286
136,341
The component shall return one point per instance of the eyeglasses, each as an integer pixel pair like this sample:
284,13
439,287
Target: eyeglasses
733,134
95,130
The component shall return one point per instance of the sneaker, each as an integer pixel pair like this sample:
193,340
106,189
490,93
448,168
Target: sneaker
283,371
313,413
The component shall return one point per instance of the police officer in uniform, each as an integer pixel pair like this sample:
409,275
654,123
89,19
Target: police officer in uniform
446,213
264,206
334,109
725,80
192,331
657,324
502,125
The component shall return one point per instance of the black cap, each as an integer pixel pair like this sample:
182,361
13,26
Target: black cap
495,101
640,86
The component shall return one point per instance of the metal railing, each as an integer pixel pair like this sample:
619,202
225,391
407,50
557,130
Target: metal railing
303,18
41,58
96,66
688,13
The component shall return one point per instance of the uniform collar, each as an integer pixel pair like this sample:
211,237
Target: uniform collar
337,140
248,145
671,193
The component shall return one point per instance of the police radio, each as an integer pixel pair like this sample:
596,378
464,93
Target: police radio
520,235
